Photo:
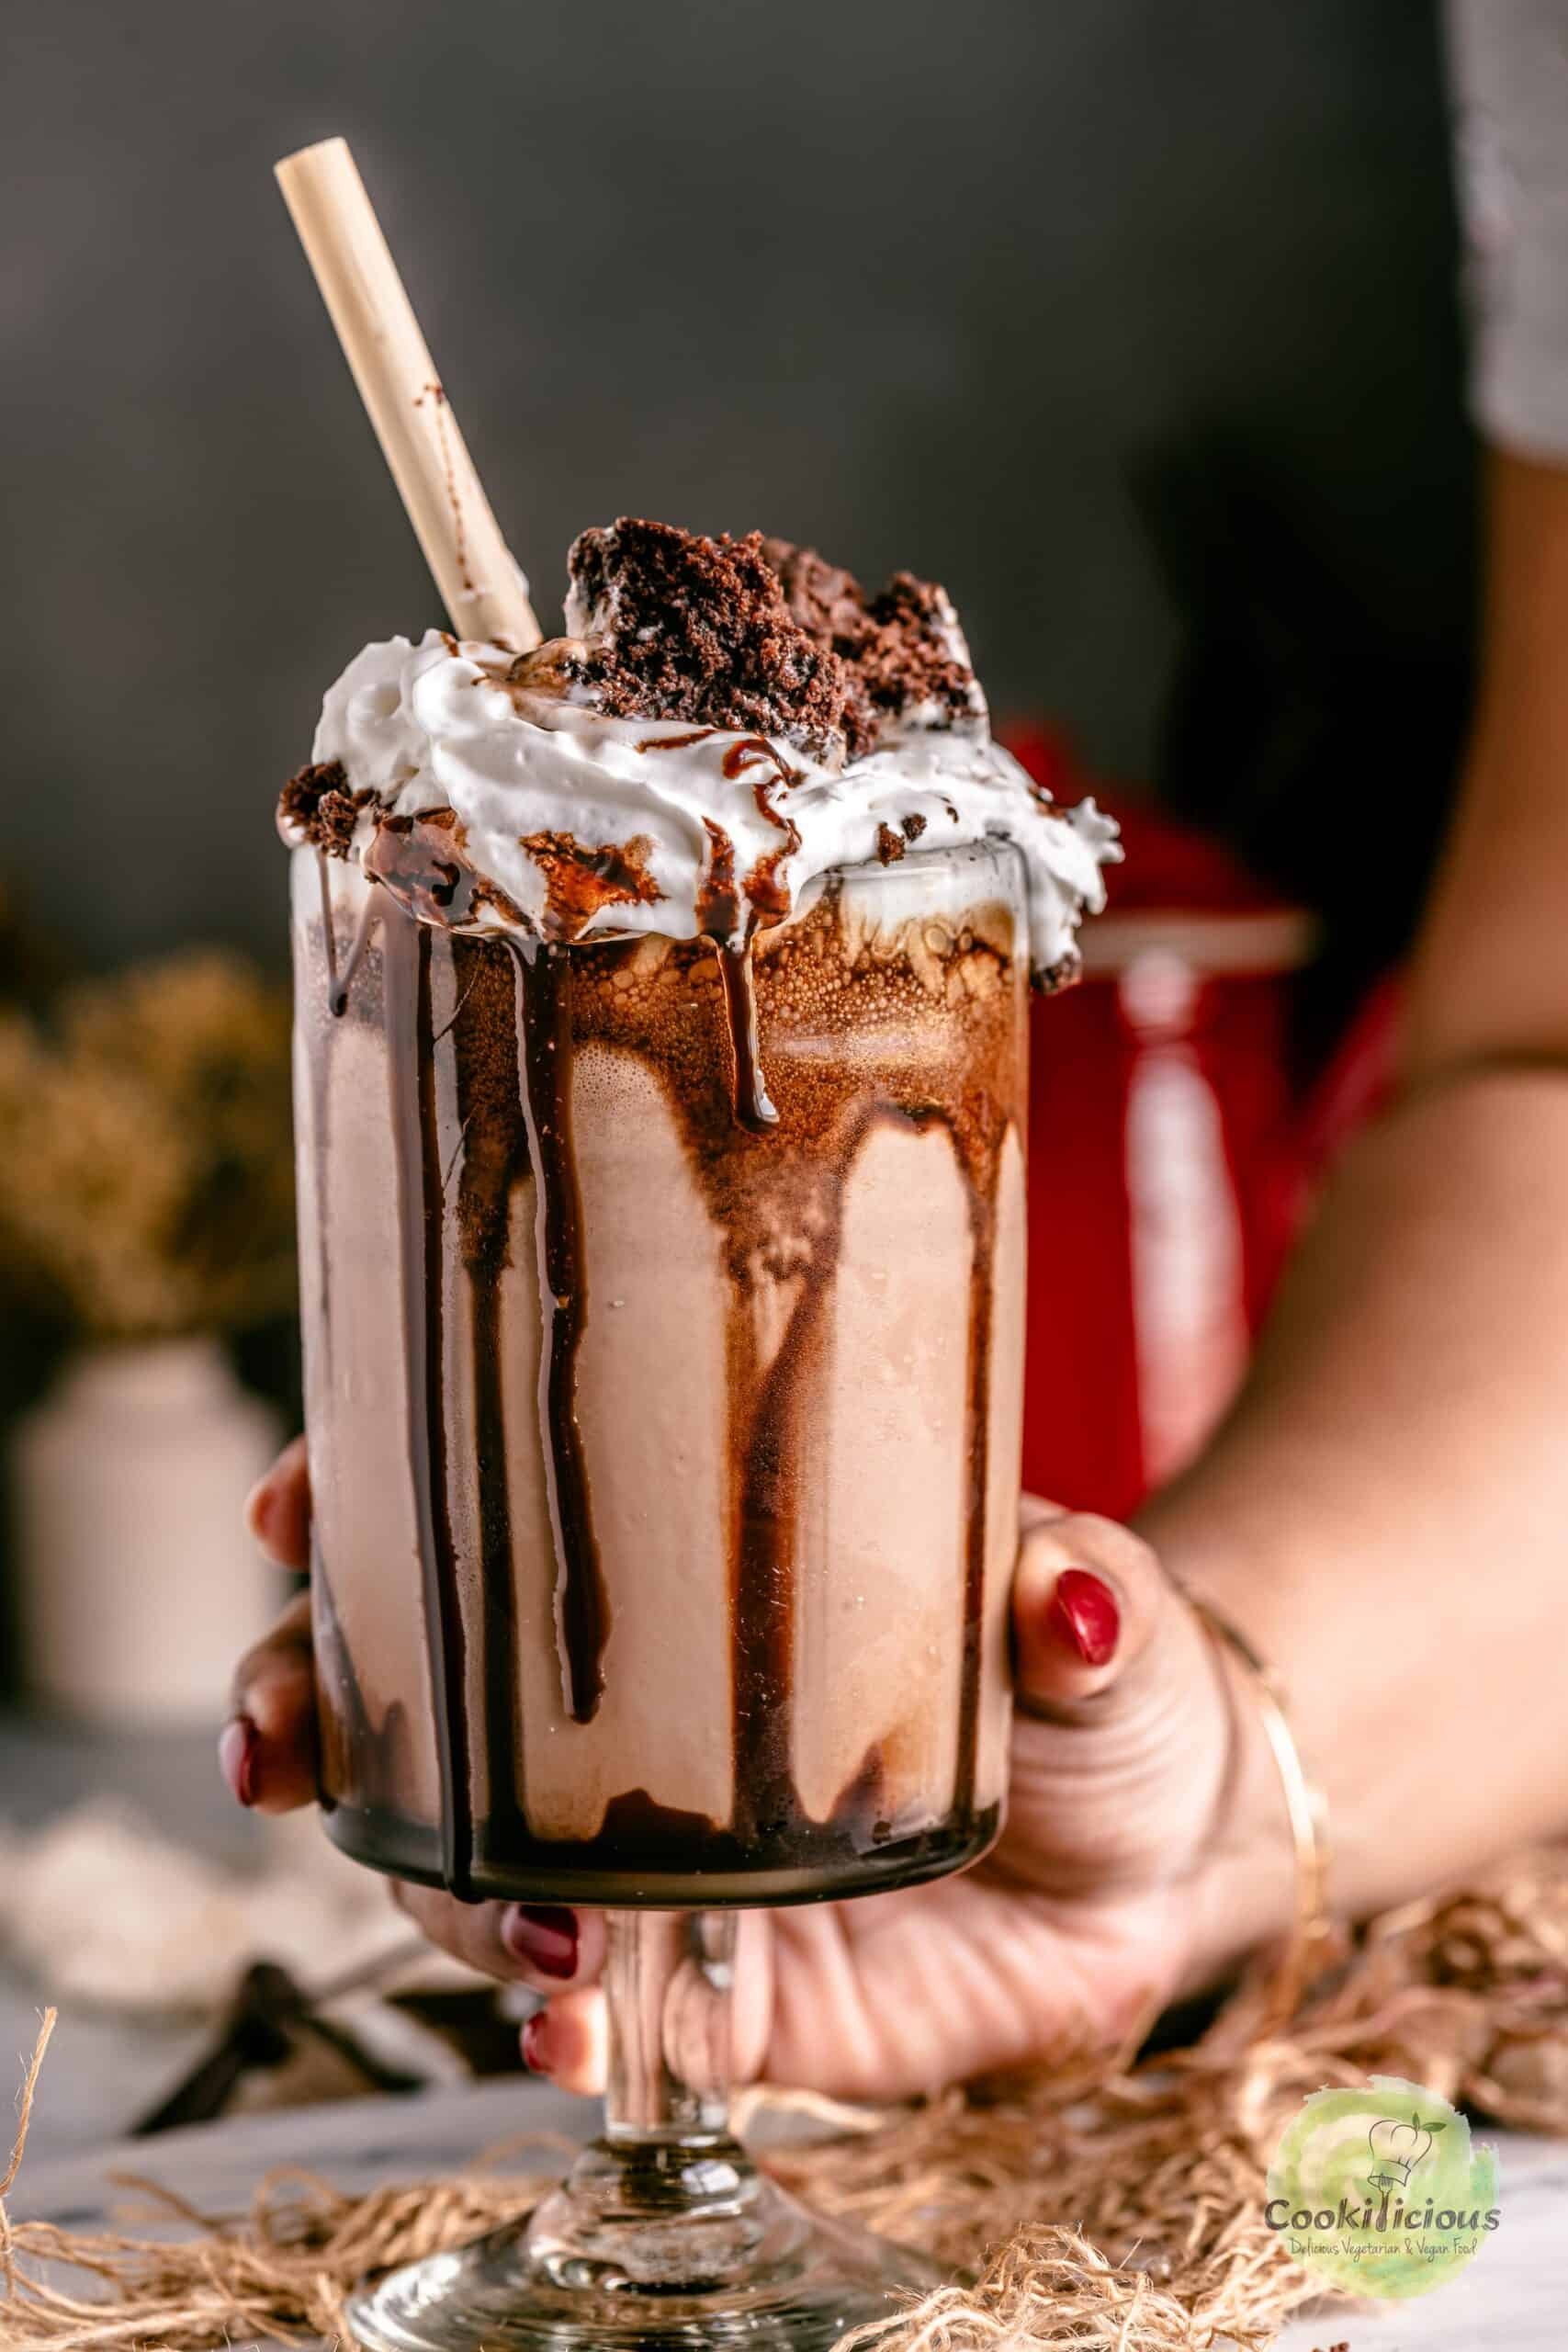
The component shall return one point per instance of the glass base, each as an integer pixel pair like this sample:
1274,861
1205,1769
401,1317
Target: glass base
684,2243
580,1871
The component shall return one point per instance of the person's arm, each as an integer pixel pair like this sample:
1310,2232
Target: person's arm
1386,1509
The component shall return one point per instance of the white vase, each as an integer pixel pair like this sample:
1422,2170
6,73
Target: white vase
139,1584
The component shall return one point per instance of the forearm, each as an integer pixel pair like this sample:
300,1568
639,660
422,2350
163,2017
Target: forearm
1386,1512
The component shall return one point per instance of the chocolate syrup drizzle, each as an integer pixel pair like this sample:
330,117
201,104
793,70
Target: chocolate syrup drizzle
583,1607
494,1162
513,1114
369,1765
754,750
343,979
405,968
977,1450
317,1062
754,1107
763,1550
373,1763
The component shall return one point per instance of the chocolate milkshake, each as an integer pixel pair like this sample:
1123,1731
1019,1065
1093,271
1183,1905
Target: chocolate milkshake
660,1109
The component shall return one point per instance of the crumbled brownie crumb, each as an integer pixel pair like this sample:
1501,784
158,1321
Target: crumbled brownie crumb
912,826
827,601
1064,973
890,846
900,650
829,604
756,634
681,627
909,656
317,804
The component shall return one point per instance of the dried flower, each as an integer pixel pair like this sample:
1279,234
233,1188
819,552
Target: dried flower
146,1184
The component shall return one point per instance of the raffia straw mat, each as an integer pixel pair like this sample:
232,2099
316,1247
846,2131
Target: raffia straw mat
1124,2211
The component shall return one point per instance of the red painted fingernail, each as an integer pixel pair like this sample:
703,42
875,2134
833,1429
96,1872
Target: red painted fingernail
543,1936
239,1752
534,2043
258,1504
1084,1614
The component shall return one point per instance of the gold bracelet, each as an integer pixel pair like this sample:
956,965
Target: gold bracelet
1312,1928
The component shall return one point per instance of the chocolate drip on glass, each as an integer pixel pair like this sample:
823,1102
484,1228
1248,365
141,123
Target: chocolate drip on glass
343,977
494,1162
406,949
366,1758
909,1025
981,1284
544,1024
765,1407
754,1108
317,1066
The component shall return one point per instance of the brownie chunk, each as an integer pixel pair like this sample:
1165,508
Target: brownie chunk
680,627
318,805
903,650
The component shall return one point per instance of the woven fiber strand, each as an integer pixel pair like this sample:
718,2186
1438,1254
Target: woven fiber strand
1152,2180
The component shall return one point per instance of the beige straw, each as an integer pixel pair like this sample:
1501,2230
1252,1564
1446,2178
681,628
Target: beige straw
484,592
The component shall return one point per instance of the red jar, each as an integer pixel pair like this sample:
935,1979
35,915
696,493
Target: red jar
1169,1168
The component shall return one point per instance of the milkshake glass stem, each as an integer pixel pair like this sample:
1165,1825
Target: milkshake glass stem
668,1980
665,2232
666,2196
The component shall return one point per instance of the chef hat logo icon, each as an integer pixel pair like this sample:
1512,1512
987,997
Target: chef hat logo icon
1397,2148
1431,2204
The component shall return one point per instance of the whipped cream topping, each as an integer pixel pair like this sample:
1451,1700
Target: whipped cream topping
564,824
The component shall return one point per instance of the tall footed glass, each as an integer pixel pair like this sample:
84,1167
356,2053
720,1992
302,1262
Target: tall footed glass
664,1315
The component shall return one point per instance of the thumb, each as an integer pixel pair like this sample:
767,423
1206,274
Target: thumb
1121,1751
1088,1597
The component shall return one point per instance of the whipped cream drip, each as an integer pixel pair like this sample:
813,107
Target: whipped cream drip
659,826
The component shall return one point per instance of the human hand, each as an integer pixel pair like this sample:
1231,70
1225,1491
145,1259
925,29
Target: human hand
1127,1850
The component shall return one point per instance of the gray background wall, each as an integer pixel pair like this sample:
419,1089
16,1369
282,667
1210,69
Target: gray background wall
943,285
